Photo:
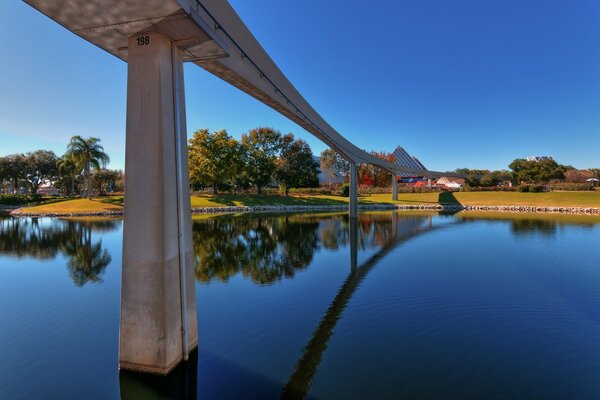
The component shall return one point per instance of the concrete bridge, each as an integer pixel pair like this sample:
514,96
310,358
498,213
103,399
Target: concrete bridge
155,37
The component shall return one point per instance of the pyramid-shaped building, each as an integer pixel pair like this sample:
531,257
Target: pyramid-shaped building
403,159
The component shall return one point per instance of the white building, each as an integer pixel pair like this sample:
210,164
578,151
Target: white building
539,158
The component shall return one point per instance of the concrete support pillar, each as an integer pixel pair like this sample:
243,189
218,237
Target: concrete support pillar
158,301
353,211
429,183
394,187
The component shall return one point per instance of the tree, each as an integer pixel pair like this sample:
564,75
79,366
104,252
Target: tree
13,166
578,175
332,164
537,171
87,154
473,176
296,166
382,177
67,172
214,158
376,176
104,180
262,146
39,166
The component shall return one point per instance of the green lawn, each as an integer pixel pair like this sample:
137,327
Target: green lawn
558,199
104,204
223,200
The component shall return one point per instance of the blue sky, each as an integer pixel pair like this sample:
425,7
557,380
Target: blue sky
462,83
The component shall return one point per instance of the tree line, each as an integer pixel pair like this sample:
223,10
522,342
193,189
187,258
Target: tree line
263,157
79,170
522,171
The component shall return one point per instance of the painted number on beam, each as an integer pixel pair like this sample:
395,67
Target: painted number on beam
143,40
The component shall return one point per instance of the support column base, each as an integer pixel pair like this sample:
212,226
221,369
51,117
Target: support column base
152,369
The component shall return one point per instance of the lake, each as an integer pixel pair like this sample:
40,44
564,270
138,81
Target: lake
393,305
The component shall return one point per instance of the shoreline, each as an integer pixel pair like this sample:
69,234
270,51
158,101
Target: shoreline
15,212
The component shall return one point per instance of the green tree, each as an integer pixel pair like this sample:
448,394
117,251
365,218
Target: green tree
87,154
39,166
262,146
473,176
332,164
13,167
537,171
296,166
104,179
67,171
214,158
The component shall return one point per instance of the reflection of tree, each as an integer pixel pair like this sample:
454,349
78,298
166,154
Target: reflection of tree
87,260
544,227
521,225
21,237
265,248
45,238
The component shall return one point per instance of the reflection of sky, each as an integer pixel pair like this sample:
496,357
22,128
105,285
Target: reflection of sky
462,306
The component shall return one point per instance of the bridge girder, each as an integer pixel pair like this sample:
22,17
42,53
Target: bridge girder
214,38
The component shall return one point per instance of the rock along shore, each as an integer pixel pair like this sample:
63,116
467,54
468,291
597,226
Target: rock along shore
313,208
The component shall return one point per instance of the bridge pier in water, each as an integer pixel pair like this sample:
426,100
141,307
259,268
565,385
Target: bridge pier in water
158,327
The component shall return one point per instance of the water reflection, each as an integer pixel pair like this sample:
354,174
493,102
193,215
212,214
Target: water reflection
395,230
532,224
264,249
267,248
181,383
45,239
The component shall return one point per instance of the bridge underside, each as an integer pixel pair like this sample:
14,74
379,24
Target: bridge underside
158,316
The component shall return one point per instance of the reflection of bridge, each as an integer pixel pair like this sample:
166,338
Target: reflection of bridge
403,229
158,316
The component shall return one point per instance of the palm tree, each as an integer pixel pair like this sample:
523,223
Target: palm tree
67,166
87,153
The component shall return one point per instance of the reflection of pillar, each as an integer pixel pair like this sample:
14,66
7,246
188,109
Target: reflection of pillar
394,187
181,383
353,190
429,183
353,225
158,307
395,225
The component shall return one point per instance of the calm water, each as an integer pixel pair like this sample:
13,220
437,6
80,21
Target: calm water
412,306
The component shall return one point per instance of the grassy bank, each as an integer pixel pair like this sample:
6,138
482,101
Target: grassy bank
551,199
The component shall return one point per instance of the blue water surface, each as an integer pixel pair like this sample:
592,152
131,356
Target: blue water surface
392,305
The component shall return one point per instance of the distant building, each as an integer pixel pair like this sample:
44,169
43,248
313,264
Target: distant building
47,189
452,183
403,159
539,158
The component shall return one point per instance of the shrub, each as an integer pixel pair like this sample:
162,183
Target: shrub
345,190
571,186
311,191
488,189
18,199
523,188
536,188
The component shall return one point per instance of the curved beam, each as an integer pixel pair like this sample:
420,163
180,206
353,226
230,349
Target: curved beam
250,69
212,36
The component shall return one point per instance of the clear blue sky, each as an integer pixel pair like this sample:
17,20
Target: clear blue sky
457,83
